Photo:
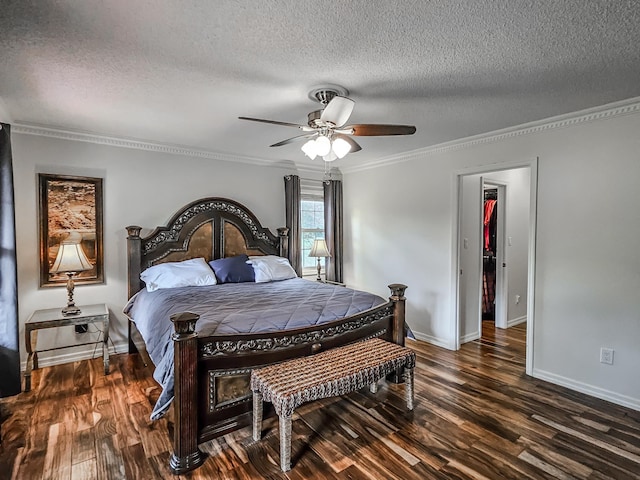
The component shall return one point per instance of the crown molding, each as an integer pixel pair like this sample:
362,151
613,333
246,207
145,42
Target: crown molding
610,110
625,107
120,142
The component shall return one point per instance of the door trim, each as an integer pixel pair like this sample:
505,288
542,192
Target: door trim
532,164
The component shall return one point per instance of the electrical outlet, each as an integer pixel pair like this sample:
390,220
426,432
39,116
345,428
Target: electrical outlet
606,355
517,299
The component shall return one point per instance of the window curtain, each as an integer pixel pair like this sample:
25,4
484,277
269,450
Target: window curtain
292,212
333,229
9,351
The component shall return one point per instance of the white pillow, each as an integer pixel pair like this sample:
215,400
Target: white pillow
194,272
270,268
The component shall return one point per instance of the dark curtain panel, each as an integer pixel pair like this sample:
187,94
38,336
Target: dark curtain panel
9,352
292,208
333,228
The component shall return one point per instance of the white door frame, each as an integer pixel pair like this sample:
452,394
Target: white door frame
502,280
532,164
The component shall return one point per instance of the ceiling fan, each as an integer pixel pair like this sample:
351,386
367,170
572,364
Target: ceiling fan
326,134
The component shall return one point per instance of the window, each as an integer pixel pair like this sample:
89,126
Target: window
311,227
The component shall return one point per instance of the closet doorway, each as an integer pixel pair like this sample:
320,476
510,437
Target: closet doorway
494,274
494,266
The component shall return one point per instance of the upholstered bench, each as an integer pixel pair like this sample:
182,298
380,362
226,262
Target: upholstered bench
328,374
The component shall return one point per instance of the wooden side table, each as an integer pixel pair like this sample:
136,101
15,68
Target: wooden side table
53,318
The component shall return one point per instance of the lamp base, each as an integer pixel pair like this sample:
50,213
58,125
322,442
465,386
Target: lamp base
70,310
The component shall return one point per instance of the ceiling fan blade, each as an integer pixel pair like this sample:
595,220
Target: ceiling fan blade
338,110
293,139
372,130
355,147
275,122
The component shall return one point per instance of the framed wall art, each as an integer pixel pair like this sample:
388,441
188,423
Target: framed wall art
70,213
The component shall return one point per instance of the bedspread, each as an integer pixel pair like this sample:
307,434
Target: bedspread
236,308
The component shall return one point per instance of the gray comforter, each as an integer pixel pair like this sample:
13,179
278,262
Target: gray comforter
235,308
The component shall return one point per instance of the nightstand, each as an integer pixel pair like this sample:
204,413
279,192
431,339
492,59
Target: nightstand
53,318
328,282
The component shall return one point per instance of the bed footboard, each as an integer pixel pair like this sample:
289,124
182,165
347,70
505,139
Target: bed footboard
212,394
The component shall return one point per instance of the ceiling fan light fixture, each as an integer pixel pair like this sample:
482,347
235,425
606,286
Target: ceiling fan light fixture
330,157
323,145
340,147
310,149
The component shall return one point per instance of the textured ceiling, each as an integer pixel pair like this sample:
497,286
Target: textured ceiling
181,72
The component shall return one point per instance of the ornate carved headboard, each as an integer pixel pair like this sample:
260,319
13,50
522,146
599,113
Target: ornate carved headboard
211,228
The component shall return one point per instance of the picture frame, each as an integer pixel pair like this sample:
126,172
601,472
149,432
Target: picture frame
70,207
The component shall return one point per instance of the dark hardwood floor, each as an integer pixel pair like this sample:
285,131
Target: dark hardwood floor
477,416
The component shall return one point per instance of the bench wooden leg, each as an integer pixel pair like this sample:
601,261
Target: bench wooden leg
373,388
285,443
408,387
257,416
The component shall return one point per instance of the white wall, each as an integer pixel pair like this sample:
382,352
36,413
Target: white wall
399,224
397,230
140,188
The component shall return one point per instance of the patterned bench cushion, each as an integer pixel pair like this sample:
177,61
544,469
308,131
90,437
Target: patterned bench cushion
329,374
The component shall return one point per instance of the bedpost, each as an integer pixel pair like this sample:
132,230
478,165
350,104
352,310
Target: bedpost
186,456
399,306
399,301
134,259
283,248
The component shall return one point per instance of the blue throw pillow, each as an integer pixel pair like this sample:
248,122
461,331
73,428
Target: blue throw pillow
233,269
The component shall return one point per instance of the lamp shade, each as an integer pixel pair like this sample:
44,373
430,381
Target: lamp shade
340,147
309,149
71,258
323,146
319,248
330,157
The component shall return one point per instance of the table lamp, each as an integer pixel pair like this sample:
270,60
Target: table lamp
319,250
71,259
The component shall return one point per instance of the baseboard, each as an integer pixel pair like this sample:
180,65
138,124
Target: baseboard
601,393
89,352
516,321
438,342
469,337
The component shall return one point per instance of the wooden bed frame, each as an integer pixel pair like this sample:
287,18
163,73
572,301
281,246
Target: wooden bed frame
212,394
